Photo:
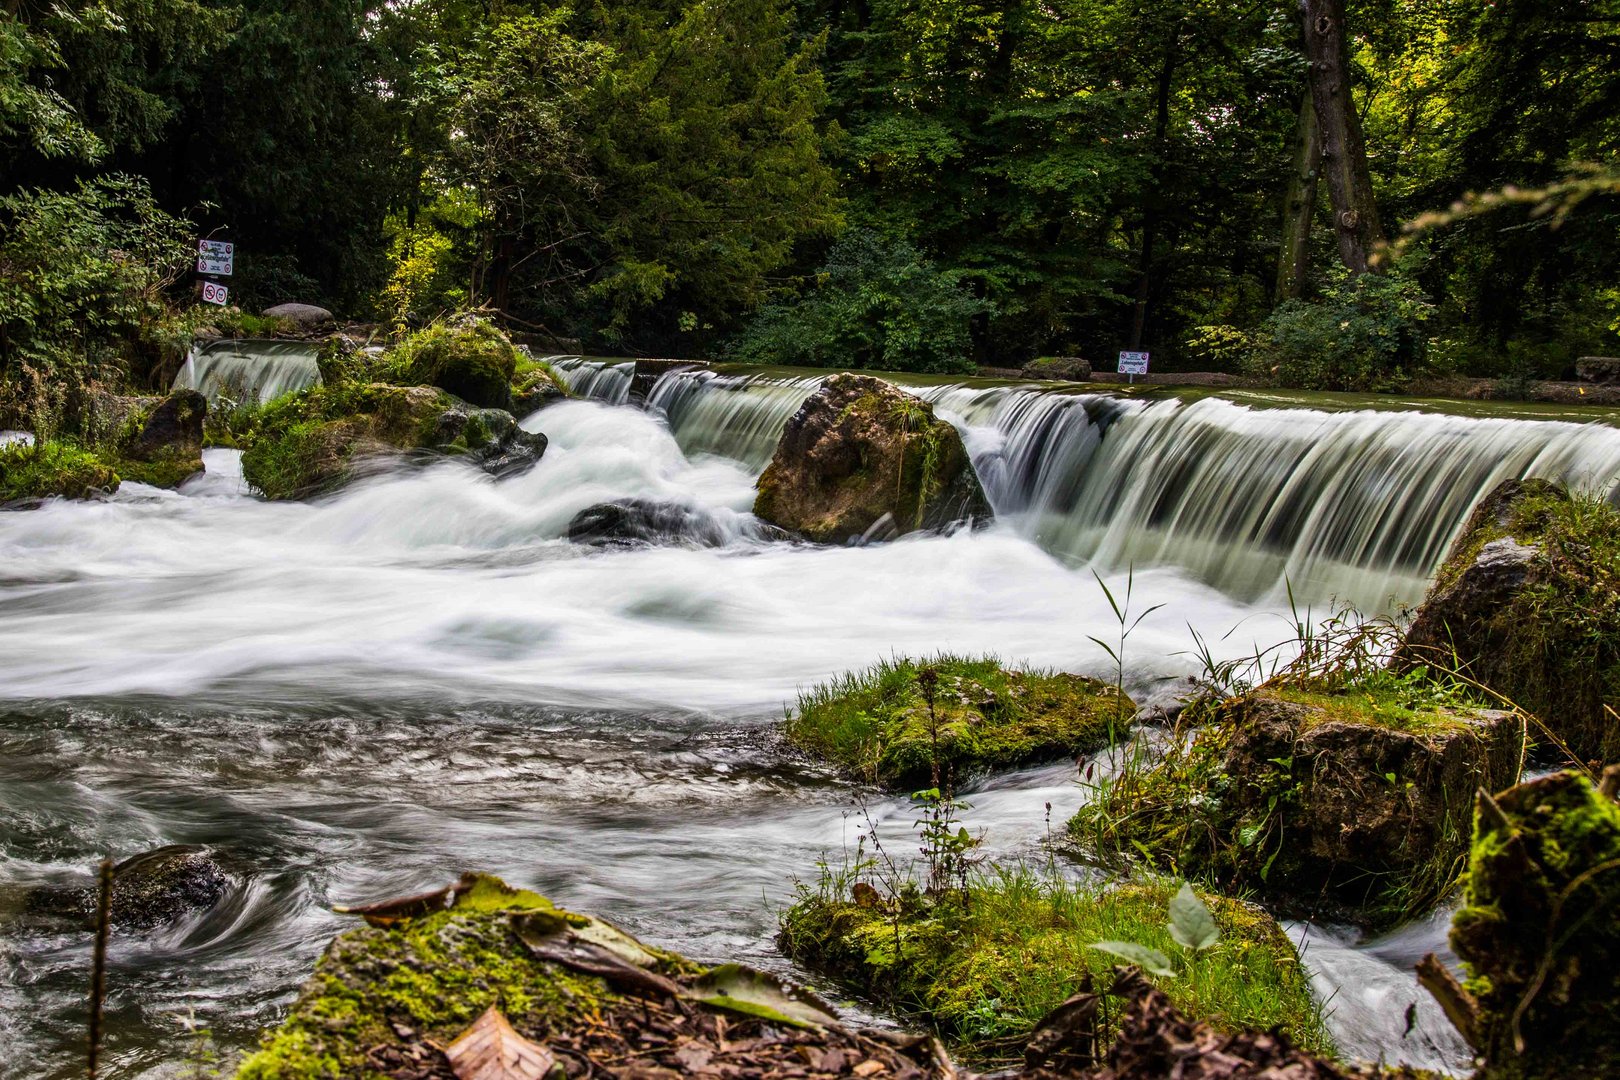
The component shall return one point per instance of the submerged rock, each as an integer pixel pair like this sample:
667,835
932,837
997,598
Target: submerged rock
1538,933
149,890
397,998
1528,604
877,725
636,522
861,456
1339,804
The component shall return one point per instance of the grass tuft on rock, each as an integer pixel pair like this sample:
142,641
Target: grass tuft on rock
469,356
52,468
876,725
986,966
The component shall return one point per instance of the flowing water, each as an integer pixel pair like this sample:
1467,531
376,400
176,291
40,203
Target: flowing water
363,696
249,369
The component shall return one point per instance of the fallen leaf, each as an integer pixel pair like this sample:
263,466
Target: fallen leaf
869,1068
491,1050
757,993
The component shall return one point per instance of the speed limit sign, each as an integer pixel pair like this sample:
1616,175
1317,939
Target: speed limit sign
214,293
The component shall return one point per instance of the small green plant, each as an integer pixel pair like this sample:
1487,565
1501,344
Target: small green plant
1191,926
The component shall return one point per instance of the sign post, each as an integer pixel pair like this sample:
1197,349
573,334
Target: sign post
1132,364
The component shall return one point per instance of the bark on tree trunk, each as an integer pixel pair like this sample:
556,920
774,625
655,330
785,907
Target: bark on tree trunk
1150,208
1299,204
1344,153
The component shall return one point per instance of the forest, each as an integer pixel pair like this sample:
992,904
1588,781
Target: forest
862,183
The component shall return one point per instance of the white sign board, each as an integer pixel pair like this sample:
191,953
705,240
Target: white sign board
215,293
1133,363
215,256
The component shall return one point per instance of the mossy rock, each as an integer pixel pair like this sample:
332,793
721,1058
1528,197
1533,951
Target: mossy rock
1063,368
1528,604
862,457
1353,804
985,969
535,384
29,472
391,998
469,357
1539,931
875,724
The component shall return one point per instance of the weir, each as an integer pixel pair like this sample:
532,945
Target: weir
1353,506
244,369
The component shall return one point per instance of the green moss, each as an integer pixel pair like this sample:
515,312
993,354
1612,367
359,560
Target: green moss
876,724
533,375
984,972
1538,934
470,357
42,470
165,470
1258,794
1555,648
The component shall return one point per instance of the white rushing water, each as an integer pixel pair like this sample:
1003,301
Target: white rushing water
1356,506
249,369
364,695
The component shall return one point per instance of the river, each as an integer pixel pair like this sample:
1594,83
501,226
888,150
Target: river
365,695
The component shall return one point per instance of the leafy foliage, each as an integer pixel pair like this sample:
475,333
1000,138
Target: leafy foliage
1367,334
875,305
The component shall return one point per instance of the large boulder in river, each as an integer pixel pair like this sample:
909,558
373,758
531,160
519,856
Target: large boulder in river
316,440
1527,603
470,357
149,439
1355,804
861,457
305,317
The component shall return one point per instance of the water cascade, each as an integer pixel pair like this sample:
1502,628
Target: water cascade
599,380
245,369
1357,506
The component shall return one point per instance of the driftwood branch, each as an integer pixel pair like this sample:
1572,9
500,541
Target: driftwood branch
1460,1007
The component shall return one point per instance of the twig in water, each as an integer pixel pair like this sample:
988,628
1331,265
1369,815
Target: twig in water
98,969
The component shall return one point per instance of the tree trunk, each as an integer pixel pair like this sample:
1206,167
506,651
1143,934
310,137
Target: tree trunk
1299,205
1344,153
1150,207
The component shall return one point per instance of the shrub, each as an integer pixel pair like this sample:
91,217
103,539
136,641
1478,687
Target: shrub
470,357
1366,333
39,470
876,305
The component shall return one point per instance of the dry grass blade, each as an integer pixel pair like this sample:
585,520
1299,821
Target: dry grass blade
491,1050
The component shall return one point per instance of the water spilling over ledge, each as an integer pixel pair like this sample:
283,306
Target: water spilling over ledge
249,369
1353,505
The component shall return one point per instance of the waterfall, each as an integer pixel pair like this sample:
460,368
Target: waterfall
1353,506
249,368
600,380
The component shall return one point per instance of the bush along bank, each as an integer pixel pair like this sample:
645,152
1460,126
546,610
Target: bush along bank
906,724
464,980
1527,604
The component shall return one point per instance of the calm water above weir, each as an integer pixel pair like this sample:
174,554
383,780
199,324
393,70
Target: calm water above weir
363,696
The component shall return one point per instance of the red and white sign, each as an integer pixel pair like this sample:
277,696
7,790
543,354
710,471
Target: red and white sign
215,293
215,256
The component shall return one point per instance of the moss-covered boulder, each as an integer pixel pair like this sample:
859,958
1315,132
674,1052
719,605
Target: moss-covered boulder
1539,931
536,383
1355,804
1528,603
878,725
30,472
167,446
863,458
397,997
468,356
316,440
984,969
1061,368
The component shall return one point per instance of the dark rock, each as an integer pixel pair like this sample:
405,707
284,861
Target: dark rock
535,396
175,427
1598,369
1061,368
517,453
303,316
156,440
634,522
648,372
860,456
1537,932
149,890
